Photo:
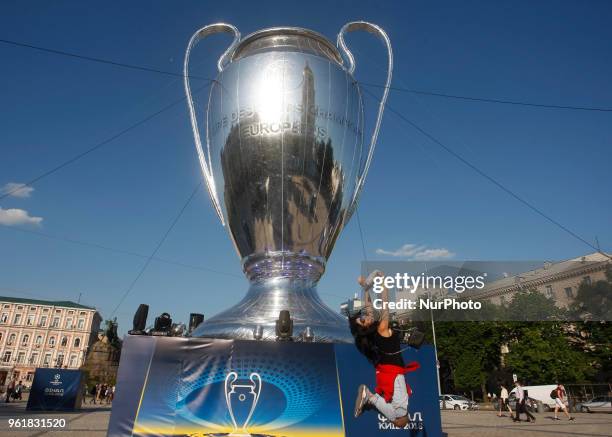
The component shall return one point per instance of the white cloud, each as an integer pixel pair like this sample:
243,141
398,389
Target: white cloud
417,252
16,217
17,190
431,254
406,251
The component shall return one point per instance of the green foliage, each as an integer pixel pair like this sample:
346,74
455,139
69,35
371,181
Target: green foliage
532,306
471,349
543,349
540,353
593,301
111,332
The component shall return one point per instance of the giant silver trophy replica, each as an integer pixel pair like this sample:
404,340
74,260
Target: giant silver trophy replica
284,162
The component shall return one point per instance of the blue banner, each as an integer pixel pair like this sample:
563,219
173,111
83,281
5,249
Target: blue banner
204,387
55,390
423,407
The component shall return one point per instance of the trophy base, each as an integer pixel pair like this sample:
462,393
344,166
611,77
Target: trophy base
261,307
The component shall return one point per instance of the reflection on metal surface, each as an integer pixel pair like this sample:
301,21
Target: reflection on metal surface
284,162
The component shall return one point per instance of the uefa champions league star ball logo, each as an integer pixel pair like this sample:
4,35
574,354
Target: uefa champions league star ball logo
56,379
241,401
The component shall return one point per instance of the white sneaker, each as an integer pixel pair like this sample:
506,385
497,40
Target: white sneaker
362,399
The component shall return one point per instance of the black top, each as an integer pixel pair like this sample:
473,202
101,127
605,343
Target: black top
389,349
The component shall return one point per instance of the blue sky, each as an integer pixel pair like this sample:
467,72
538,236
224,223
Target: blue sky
126,194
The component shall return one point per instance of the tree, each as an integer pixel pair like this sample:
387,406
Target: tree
471,350
111,332
541,354
593,301
532,305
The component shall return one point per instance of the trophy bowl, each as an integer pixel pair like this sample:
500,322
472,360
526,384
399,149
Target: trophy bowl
284,162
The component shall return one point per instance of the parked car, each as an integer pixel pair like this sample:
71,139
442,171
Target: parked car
456,402
600,403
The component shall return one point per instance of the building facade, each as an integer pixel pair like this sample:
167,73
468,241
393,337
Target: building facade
39,333
559,281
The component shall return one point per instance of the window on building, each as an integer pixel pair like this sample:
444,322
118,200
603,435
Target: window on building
34,358
549,291
52,341
77,342
43,321
38,339
45,310
7,306
25,339
4,318
73,361
30,376
82,313
30,320
569,292
69,323
58,311
21,358
60,360
70,312
7,356
64,341
17,319
81,324
47,360
32,308
55,322
586,280
1,335
20,307
11,339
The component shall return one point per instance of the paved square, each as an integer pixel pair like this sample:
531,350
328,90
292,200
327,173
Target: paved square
487,424
92,420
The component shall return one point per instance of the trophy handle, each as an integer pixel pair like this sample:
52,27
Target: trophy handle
256,391
379,32
230,379
204,158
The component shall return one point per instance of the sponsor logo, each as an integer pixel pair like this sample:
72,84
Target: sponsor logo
56,380
238,397
415,422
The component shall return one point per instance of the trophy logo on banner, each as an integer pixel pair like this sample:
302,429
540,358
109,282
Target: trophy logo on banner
241,401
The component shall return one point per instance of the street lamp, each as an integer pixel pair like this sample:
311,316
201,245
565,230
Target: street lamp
433,330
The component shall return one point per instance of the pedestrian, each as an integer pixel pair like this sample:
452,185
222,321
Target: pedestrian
98,392
10,390
503,402
521,405
18,391
559,394
108,394
93,392
380,344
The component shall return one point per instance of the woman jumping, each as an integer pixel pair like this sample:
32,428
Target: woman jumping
381,346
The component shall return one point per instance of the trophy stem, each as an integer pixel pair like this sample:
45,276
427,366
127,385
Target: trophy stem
261,307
